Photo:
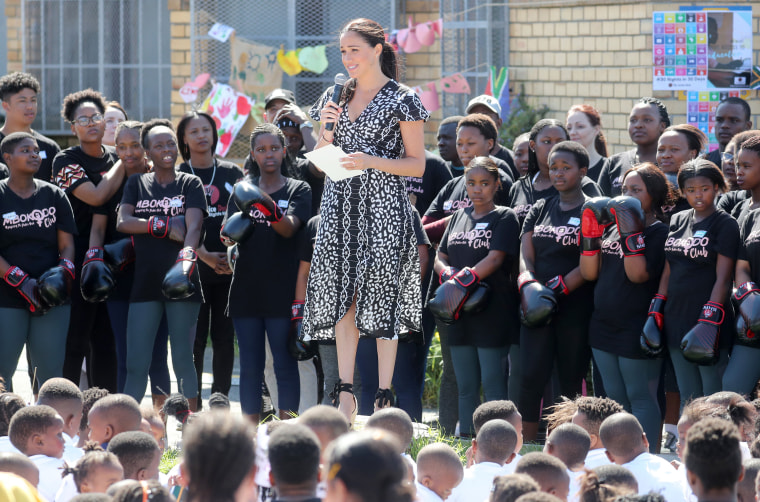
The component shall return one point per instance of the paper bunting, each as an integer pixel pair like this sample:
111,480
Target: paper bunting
429,96
220,32
427,31
407,38
189,91
289,62
455,83
498,87
230,111
755,81
254,69
313,59
412,38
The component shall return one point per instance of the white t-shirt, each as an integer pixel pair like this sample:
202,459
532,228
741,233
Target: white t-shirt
597,457
657,475
425,494
477,483
6,446
50,475
575,485
510,467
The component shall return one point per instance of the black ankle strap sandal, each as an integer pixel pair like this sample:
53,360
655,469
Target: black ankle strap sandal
384,399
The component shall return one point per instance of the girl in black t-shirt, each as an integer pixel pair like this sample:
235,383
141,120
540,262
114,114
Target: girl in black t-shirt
549,254
701,251
481,240
584,124
677,145
165,251
36,254
520,153
627,274
263,283
646,122
197,138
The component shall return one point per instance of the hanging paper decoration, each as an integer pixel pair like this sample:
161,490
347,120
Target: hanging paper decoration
429,96
221,32
289,62
426,31
230,111
407,38
189,91
313,59
755,81
455,83
498,87
254,69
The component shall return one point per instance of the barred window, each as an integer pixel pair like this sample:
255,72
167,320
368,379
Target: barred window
118,47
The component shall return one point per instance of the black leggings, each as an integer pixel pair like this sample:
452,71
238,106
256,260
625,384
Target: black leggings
213,319
564,342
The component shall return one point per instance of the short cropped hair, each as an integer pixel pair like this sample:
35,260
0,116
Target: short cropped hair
545,469
135,450
490,410
510,487
75,100
713,454
28,421
496,440
89,398
396,421
15,82
294,454
326,419
570,444
8,144
56,390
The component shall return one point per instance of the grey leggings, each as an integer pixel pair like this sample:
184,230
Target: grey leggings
633,383
743,370
45,339
142,326
695,380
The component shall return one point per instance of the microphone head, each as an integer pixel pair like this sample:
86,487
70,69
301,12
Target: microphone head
340,79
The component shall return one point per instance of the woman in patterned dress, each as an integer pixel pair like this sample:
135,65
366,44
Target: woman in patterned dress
364,278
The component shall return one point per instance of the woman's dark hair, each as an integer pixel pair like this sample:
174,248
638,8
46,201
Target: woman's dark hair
10,403
594,490
574,148
75,100
741,137
117,105
8,144
184,150
661,108
131,125
595,119
147,126
369,466
219,454
482,123
267,128
701,167
373,34
485,163
94,457
138,491
751,143
659,189
533,134
286,169
694,137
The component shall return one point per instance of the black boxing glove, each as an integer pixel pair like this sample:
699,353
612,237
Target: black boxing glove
55,285
119,254
178,281
448,300
537,302
595,218
630,221
651,334
232,256
248,196
27,287
557,285
747,298
97,280
300,348
237,228
700,344
171,227
478,300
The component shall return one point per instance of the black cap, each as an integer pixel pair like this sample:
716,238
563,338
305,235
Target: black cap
282,94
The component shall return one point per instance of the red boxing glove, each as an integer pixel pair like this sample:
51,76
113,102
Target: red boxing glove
594,220
446,274
557,285
747,298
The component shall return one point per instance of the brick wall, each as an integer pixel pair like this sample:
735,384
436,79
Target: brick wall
179,19
596,52
13,26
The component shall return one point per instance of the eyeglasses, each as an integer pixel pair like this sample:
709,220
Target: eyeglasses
85,121
727,157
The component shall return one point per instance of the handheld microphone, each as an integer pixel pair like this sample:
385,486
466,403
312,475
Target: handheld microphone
340,81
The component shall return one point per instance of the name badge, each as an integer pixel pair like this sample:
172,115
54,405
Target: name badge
43,154
228,186
574,221
481,226
282,203
700,233
10,216
176,203
447,205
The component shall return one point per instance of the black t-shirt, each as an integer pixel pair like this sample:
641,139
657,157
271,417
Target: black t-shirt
154,257
716,157
522,195
456,171
466,242
71,168
692,252
732,200
48,150
749,250
423,190
217,184
29,233
264,281
611,177
297,168
621,306
507,156
596,170
453,197
4,172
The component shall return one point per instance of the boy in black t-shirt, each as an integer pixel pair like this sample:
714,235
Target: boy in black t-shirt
18,92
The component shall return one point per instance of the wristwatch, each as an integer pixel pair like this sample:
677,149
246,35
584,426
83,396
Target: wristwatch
306,125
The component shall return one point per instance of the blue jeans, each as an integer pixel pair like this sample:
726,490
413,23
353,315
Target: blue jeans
695,380
142,325
160,382
633,383
743,370
44,336
251,332
474,366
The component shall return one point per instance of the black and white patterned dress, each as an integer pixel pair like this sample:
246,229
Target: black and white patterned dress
365,246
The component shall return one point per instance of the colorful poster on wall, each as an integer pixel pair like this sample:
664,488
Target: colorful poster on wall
700,112
254,68
698,50
230,111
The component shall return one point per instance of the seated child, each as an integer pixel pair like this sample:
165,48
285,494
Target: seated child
20,465
89,397
93,473
65,398
439,471
10,403
138,454
112,415
549,472
509,487
570,444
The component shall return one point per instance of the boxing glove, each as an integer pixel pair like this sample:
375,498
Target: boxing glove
747,298
232,256
745,335
248,196
119,254
700,344
171,227
300,348
55,284
448,300
595,218
178,281
478,300
651,334
446,274
630,219
237,228
537,302
557,285
97,280
27,288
